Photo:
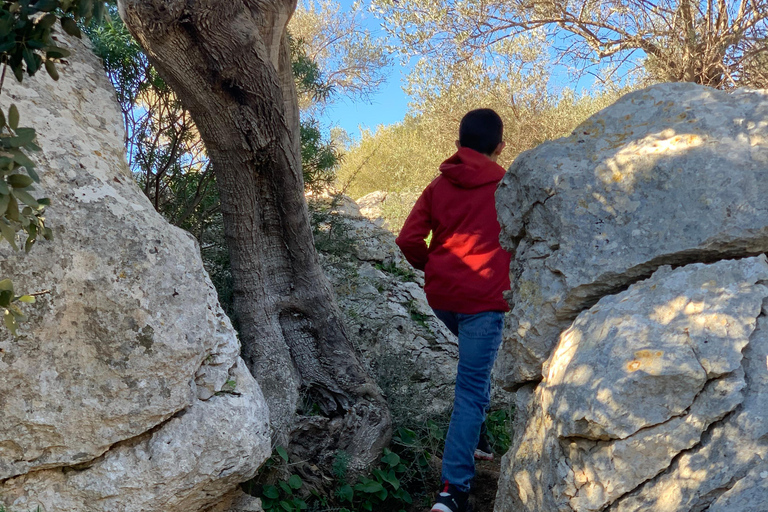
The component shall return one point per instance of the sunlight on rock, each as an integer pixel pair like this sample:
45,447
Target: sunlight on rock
666,175
636,381
666,313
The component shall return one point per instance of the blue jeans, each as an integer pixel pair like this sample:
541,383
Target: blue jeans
479,340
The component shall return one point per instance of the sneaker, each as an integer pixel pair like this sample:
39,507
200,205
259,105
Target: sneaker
452,500
483,450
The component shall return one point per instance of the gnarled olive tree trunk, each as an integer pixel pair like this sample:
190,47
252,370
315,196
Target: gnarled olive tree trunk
229,63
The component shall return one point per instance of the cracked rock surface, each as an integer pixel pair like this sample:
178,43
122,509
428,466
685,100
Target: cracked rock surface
124,389
654,399
668,175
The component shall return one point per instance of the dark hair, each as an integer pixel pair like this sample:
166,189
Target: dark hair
481,130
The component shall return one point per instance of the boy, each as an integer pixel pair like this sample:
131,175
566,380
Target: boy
466,271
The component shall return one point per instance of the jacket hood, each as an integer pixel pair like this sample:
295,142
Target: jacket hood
468,168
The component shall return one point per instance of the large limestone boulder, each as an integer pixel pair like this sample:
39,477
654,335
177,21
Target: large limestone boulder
668,175
124,390
654,399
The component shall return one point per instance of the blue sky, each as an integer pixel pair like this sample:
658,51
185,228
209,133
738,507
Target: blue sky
387,106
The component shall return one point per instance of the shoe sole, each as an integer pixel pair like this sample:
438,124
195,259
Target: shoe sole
439,507
481,455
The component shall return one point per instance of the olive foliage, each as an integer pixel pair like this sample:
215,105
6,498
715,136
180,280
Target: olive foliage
718,43
27,45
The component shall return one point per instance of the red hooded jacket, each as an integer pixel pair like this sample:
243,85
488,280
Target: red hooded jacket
466,269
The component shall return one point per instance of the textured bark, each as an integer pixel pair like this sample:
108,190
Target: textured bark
229,63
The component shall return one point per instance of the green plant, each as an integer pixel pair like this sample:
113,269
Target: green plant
331,234
382,487
416,315
3,509
499,425
390,267
284,496
26,27
26,45
19,210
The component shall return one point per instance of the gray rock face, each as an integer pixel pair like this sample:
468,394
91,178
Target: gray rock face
672,174
387,209
127,371
654,399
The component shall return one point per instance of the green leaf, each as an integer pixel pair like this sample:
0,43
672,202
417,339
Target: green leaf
295,481
391,479
70,27
8,234
10,322
2,118
45,5
369,486
19,314
23,137
18,72
287,506
6,284
391,459
406,436
12,212
271,492
26,198
19,180
13,116
46,21
30,61
85,9
6,296
345,492
50,67
20,158
5,190
4,200
285,487
35,44
99,10
282,453
54,52
28,299
404,496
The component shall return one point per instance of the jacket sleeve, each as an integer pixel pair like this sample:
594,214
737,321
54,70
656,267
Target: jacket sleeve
415,230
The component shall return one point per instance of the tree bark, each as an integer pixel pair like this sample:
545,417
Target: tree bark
229,63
